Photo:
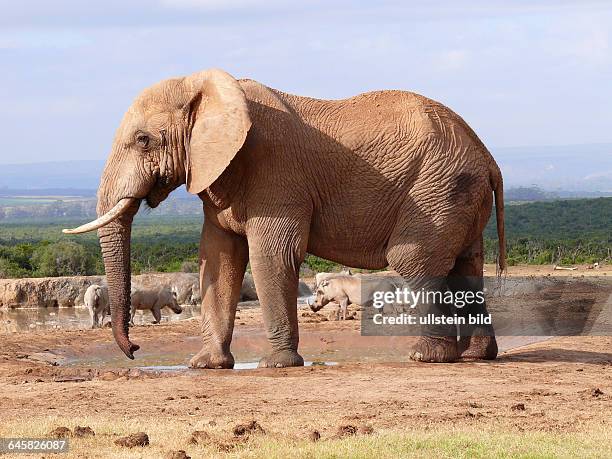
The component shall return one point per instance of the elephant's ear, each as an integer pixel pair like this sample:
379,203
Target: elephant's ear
219,116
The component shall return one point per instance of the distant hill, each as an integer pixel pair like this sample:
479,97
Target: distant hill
528,194
558,220
568,171
72,192
56,178
51,175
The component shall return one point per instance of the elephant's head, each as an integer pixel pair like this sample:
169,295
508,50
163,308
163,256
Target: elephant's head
184,130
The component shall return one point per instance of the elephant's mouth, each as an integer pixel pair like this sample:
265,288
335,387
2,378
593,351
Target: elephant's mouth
159,192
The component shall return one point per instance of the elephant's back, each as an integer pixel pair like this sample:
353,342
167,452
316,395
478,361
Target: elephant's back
381,127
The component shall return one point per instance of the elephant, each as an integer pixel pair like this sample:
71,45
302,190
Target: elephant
96,300
382,179
346,289
153,300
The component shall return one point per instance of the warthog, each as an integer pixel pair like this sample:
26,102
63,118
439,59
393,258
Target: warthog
345,289
154,300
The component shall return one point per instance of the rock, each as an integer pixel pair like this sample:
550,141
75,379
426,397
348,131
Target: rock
131,441
69,291
62,379
596,392
84,431
107,376
180,454
518,407
366,430
47,357
135,373
60,432
248,428
45,291
199,437
314,436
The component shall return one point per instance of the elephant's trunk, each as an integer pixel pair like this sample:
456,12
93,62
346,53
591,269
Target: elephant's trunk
115,245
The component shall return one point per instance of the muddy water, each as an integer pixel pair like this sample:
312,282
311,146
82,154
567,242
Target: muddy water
326,347
550,303
29,319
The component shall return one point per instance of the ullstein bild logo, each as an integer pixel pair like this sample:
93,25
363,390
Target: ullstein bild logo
405,297
432,319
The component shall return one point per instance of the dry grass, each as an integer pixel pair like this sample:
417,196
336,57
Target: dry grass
443,441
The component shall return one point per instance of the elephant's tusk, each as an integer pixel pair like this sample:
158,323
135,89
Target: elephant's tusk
105,219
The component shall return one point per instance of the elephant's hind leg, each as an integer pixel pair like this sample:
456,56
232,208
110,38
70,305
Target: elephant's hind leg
423,254
476,341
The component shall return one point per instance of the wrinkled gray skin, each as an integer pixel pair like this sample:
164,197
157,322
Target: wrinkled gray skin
153,300
345,289
96,300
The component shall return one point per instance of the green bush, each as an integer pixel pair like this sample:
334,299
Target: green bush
557,232
64,258
10,269
320,265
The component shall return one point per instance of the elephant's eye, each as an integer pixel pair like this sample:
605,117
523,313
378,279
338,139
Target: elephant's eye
142,140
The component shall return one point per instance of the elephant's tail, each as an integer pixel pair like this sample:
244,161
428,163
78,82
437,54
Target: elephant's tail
497,184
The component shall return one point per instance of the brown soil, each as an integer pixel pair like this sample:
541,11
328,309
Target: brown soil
549,270
551,385
79,377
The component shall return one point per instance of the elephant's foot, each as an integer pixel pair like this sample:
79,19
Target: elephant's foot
439,349
478,347
212,360
282,359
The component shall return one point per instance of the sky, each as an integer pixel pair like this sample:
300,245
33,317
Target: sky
521,73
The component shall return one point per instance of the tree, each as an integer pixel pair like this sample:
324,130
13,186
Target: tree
64,258
10,269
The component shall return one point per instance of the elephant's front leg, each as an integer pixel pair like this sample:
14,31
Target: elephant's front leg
224,257
276,281
277,248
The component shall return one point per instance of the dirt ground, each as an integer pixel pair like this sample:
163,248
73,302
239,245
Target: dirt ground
560,387
549,270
